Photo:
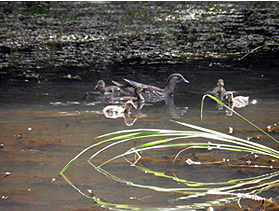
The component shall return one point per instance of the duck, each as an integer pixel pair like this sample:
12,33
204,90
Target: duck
109,89
153,91
219,91
116,111
238,102
137,98
125,89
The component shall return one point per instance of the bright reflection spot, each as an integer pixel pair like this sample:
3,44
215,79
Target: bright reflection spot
254,102
191,162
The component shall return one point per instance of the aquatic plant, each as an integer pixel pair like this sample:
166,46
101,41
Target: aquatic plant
257,48
233,111
150,141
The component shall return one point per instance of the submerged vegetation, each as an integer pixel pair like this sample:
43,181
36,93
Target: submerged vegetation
183,193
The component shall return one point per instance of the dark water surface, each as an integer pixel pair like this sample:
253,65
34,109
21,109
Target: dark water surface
44,125
52,53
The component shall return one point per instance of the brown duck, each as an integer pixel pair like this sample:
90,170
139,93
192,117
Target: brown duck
109,89
154,92
219,91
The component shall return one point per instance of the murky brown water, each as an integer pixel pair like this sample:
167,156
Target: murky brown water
52,53
44,125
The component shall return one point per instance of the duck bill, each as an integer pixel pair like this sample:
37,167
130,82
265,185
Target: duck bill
135,106
184,80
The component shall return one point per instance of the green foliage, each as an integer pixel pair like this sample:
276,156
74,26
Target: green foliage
198,137
242,117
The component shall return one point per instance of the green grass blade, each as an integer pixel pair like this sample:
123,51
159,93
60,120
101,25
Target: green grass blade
221,103
257,49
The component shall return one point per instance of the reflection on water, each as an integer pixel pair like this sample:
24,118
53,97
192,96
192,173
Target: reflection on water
174,111
63,124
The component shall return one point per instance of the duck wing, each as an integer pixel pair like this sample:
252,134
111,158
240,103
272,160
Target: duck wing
125,89
153,91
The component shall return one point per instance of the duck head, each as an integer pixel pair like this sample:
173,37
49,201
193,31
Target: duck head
173,79
138,91
129,105
176,77
230,96
100,85
220,83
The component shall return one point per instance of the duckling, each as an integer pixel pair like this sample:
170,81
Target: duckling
109,89
219,91
238,102
138,98
116,111
153,91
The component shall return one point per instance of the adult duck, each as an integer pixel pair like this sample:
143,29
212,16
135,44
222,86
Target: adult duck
107,90
153,91
116,111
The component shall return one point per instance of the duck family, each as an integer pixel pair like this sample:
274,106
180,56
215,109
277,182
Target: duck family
132,94
139,91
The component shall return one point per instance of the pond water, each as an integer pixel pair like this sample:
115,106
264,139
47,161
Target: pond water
45,124
52,53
